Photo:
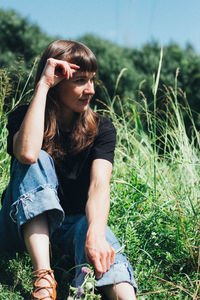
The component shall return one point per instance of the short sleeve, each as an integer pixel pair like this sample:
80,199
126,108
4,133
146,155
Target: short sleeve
104,143
15,120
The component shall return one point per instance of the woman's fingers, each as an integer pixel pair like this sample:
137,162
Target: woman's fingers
94,260
65,69
100,254
103,261
99,271
112,257
74,66
109,258
56,70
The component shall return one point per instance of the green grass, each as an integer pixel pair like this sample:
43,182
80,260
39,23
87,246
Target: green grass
154,200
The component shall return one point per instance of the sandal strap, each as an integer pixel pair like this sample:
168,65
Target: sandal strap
41,274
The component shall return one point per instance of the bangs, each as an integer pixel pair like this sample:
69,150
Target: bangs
71,51
83,57
85,62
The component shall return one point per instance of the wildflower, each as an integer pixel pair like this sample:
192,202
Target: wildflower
89,285
85,270
70,298
153,235
80,291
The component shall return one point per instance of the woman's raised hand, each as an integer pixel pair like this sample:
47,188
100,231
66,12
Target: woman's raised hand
56,70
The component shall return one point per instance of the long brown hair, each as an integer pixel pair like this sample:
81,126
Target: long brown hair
85,125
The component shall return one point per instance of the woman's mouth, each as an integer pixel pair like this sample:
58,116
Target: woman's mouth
85,101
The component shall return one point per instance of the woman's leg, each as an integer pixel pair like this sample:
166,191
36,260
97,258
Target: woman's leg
36,237
119,291
32,190
31,212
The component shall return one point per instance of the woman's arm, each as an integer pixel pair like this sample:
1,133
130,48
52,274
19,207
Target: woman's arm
27,142
98,252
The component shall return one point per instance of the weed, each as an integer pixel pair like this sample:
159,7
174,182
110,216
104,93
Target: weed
154,198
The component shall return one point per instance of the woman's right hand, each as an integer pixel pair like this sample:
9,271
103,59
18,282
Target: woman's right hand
56,70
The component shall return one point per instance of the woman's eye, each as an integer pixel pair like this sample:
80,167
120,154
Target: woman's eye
84,80
80,80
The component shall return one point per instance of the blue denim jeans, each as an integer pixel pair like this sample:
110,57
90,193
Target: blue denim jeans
32,190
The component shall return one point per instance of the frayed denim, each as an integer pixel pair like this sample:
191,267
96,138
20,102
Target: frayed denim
32,190
70,238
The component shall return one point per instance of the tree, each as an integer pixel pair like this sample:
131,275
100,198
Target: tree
21,42
19,38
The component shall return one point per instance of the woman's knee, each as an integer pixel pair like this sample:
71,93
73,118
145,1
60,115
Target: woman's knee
44,162
121,291
30,177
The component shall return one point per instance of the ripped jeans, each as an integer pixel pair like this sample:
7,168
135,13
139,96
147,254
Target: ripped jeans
32,190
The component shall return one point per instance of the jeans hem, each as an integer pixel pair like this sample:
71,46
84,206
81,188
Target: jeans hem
35,202
119,272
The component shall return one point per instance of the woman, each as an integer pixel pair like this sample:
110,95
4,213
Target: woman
62,155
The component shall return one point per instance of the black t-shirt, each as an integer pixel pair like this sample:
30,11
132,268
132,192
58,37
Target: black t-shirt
73,171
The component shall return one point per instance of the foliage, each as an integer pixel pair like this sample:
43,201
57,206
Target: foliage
4,158
21,42
112,59
19,38
87,289
15,277
159,226
155,200
155,184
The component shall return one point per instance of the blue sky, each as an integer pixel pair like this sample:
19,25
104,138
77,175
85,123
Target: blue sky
126,22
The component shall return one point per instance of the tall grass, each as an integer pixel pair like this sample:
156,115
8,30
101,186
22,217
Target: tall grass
154,195
6,106
4,158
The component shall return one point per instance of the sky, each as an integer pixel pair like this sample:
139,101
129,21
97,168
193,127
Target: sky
130,23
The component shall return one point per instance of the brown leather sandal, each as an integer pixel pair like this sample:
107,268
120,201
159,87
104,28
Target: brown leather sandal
41,274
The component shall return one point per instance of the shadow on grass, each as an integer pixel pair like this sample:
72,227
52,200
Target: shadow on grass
16,275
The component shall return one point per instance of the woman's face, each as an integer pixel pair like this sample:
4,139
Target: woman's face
75,94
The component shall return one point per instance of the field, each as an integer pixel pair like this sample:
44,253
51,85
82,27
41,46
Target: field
155,198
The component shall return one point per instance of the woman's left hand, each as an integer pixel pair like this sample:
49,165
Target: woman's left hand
99,253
